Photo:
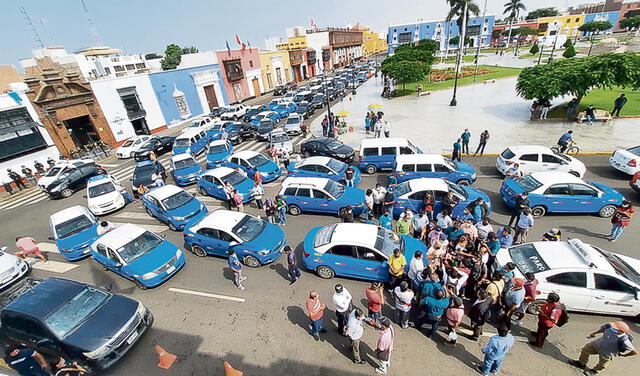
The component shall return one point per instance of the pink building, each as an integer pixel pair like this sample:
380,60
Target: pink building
241,73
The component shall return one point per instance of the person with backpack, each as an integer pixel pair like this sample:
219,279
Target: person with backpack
552,313
615,341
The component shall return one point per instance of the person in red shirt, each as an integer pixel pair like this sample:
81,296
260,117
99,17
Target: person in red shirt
315,308
547,318
27,246
257,176
620,219
375,300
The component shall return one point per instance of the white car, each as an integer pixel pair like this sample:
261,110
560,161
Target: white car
61,166
587,278
130,146
280,141
534,158
103,194
626,160
204,123
293,124
234,113
11,268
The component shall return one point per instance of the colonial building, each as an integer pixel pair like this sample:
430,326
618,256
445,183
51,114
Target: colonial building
241,73
371,42
276,68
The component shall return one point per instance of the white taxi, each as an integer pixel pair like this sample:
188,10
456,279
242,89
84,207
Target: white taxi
587,278
626,160
130,146
535,158
103,194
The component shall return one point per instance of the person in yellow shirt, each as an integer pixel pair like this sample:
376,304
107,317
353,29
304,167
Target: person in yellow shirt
494,289
396,262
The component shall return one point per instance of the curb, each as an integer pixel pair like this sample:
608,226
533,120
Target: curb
497,154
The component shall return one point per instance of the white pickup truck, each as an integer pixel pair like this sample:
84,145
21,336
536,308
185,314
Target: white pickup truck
234,113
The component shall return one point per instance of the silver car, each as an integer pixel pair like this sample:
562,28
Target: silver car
293,125
280,141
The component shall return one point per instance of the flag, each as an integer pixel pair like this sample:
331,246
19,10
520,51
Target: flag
244,47
249,45
226,42
313,25
238,41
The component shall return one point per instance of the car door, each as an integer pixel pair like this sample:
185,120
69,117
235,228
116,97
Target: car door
552,163
209,239
387,157
305,199
441,171
416,200
308,170
571,286
585,198
325,203
371,265
341,259
557,198
408,171
613,295
28,331
154,208
530,163
323,171
76,179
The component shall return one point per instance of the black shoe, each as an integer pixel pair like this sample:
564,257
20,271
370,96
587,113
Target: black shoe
316,337
323,330
479,369
576,363
292,282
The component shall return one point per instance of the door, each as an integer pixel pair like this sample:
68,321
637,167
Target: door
585,198
571,286
530,163
416,201
324,203
308,170
407,171
210,94
557,198
256,87
613,295
305,200
551,162
76,179
154,208
341,259
441,171
387,157
209,240
371,265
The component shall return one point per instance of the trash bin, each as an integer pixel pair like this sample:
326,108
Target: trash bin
7,188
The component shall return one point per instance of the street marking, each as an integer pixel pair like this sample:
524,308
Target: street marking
132,215
20,199
207,295
51,266
152,228
15,205
48,247
110,165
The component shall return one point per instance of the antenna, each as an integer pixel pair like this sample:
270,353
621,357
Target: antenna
27,19
94,30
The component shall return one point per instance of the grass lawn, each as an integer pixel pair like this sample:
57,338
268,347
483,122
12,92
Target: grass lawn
530,56
500,72
493,50
603,99
465,59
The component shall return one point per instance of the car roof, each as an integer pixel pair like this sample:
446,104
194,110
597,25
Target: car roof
121,235
181,157
69,213
217,142
422,184
95,180
278,131
147,162
573,254
221,219
313,182
255,107
219,172
164,191
355,233
45,297
551,177
521,149
265,113
190,132
245,154
294,115
419,158
315,161
373,142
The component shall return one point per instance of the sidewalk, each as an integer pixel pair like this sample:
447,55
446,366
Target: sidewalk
433,125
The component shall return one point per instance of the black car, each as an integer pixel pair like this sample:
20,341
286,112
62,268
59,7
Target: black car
73,180
328,147
264,128
234,132
159,145
318,100
72,320
142,174
305,109
253,111
279,90
247,130
216,112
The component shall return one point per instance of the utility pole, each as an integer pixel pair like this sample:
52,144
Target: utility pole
94,31
484,13
555,41
454,101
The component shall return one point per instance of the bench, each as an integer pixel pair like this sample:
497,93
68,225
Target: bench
424,93
490,82
601,115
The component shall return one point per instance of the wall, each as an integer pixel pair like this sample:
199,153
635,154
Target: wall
318,41
568,25
269,62
625,10
607,16
249,60
498,29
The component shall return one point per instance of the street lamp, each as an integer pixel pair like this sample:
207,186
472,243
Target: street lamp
555,41
326,97
454,102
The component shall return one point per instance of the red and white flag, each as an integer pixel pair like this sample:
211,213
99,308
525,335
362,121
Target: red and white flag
238,41
313,25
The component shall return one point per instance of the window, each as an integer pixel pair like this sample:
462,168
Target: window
406,150
323,169
107,71
102,249
605,282
558,189
304,192
118,68
140,66
130,67
417,196
112,256
548,158
208,232
290,191
583,190
251,63
368,254
319,194
225,237
577,279
370,151
388,151
409,168
441,168
529,157
343,250
182,105
424,167
311,168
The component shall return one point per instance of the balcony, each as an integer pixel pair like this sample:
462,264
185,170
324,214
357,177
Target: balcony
135,112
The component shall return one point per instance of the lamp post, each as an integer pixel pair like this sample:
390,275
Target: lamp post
454,101
555,41
484,12
326,98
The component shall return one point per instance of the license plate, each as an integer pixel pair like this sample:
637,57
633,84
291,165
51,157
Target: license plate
132,338
171,269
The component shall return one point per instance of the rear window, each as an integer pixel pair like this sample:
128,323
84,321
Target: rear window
528,183
323,237
634,150
507,154
370,151
527,259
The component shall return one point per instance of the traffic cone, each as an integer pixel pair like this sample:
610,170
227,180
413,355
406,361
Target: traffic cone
166,359
230,371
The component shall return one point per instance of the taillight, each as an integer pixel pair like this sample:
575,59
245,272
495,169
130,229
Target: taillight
509,162
306,254
632,163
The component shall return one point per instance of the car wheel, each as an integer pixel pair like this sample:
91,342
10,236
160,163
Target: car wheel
131,154
538,211
66,192
342,212
202,191
575,173
534,307
172,227
371,169
325,272
294,210
139,284
306,154
607,211
251,261
198,251
464,182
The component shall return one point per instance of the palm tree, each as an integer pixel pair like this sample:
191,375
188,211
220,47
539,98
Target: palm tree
457,7
513,9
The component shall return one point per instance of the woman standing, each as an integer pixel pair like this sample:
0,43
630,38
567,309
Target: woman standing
367,122
621,219
484,137
281,207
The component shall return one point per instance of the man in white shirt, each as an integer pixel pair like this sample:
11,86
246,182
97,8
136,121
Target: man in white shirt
378,199
416,265
368,202
404,295
342,302
157,179
386,128
354,330
104,227
443,219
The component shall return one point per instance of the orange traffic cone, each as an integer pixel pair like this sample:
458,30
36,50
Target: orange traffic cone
166,359
230,371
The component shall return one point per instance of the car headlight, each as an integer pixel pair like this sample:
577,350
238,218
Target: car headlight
341,155
178,253
147,275
142,310
474,175
18,263
57,188
264,252
97,353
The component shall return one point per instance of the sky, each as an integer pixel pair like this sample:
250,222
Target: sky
145,26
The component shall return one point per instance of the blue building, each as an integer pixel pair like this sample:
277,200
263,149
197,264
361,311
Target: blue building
188,92
479,29
606,16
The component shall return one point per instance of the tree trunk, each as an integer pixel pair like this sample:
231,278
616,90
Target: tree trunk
591,46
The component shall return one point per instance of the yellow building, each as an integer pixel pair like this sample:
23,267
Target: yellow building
294,43
371,42
567,25
276,68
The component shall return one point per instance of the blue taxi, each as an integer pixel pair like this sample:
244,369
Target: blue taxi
211,183
255,241
561,192
217,152
184,169
265,115
320,195
413,166
356,250
191,141
173,205
411,194
249,160
73,230
284,109
323,167
138,255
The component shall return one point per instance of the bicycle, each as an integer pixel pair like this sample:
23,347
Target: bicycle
572,149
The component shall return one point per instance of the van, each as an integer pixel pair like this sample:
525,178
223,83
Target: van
413,166
303,96
380,153
191,141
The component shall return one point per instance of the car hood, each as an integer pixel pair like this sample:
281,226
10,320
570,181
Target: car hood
188,171
103,199
344,149
465,167
615,196
46,180
245,187
79,240
268,167
270,236
475,193
353,196
103,324
7,261
154,259
185,210
218,157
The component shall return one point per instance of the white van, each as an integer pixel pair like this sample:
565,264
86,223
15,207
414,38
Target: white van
380,153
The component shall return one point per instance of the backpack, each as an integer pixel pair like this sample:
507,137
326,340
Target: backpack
564,317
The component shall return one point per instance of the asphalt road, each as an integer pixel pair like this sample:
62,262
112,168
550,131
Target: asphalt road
267,334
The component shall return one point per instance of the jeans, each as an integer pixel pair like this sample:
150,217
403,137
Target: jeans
456,156
491,365
377,209
616,111
481,148
375,316
350,182
521,235
239,278
317,326
282,215
434,322
616,231
465,147
294,273
402,318
591,118
342,320
127,196
259,203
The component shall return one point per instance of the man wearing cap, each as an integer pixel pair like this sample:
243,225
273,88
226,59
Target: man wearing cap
315,309
386,220
547,318
389,200
342,301
514,297
347,215
384,345
615,341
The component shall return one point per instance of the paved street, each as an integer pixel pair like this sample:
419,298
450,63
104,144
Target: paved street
267,333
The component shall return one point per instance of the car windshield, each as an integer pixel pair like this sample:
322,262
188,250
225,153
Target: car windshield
127,143
563,157
217,149
185,163
387,241
177,200
528,183
293,120
259,117
318,98
403,188
333,144
139,246
147,146
527,259
323,237
281,107
455,188
335,165
143,173
265,126
248,228
101,189
53,171
621,267
449,163
303,107
279,137
334,189
234,178
507,154
258,160
72,226
64,320
181,143
634,150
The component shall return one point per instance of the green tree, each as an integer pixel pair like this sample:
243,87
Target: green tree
542,12
513,9
577,77
534,49
457,8
570,51
593,28
152,55
631,23
568,43
172,57
405,71
520,32
456,40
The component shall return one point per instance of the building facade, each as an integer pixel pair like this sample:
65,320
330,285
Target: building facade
276,69
372,44
627,10
605,6
497,36
241,73
566,26
606,16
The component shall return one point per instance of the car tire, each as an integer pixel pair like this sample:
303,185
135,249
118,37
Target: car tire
294,210
131,154
607,211
139,284
202,191
251,261
575,173
538,211
371,169
464,182
534,307
325,272
306,154
67,192
172,227
198,251
342,212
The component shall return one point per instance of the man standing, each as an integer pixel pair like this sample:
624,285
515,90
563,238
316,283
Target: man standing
389,200
525,222
495,351
457,151
236,268
396,262
315,308
404,295
548,317
433,307
17,179
347,215
378,199
465,137
484,136
521,202
375,300
514,297
615,341
386,220
26,362
354,330
258,194
384,345
618,104
28,173
368,203
620,220
342,301
27,246
479,313
404,226
292,264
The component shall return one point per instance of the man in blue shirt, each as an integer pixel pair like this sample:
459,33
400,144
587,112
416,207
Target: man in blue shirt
495,351
457,149
386,220
505,237
514,297
465,137
236,268
26,362
565,139
433,307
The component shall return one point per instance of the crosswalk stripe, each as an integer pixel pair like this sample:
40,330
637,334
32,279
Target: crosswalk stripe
153,228
132,215
51,266
27,197
48,247
13,205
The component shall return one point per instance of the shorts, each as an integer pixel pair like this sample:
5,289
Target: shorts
31,251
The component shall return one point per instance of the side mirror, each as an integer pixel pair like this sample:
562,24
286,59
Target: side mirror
4,248
233,243
163,236
109,287
194,194
118,264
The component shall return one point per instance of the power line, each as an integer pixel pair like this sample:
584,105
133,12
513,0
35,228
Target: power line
94,31
30,25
